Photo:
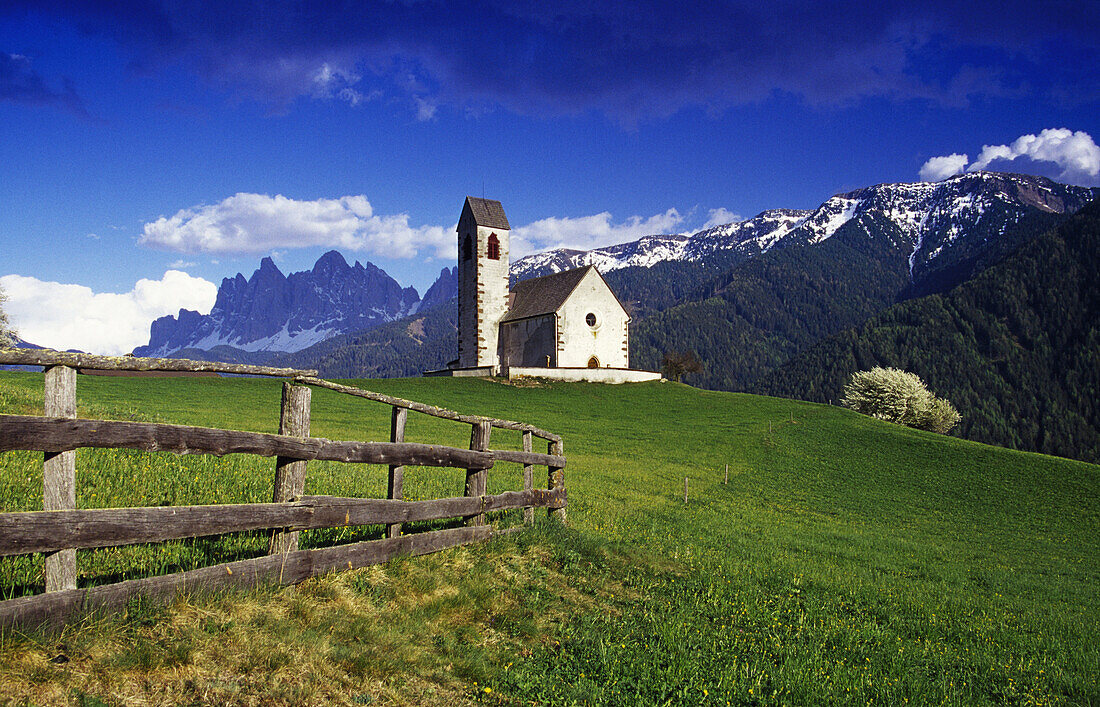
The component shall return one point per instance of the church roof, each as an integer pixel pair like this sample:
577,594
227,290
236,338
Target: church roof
487,212
543,295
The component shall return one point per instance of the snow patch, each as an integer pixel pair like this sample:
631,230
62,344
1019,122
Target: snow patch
833,214
282,340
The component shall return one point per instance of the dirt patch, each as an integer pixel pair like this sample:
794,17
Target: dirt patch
416,330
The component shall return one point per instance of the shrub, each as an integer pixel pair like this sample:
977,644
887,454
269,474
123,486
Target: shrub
7,336
900,397
678,363
941,417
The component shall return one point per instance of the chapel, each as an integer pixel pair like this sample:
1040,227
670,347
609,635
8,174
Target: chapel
567,325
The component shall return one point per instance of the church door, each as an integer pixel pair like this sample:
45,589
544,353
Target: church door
593,362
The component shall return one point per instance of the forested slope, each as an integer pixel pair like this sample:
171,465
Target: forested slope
767,309
1016,349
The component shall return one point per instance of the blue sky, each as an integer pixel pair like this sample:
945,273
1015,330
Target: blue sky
150,148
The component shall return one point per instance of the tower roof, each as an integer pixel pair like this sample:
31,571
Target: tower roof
487,212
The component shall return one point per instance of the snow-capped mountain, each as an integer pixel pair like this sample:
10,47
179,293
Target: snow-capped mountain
273,312
926,220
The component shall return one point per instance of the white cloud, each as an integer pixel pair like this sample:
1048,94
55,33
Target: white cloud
64,316
181,264
588,232
720,217
1068,156
258,223
943,167
352,96
425,109
1075,153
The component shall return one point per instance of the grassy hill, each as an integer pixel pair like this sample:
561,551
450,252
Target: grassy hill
846,561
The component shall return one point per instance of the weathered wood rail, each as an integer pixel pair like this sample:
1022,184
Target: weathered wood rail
60,529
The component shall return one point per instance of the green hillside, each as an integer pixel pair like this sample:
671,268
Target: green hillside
846,561
1016,349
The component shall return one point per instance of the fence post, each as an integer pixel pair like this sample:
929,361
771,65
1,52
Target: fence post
290,474
556,479
477,479
528,479
59,474
396,487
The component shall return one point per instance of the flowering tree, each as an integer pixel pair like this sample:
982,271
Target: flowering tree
7,336
901,397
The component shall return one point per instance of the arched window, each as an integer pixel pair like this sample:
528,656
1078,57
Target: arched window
593,362
494,247
467,248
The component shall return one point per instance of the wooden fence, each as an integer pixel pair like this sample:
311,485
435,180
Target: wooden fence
60,529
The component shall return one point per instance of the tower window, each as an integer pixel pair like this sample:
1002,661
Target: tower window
467,248
494,247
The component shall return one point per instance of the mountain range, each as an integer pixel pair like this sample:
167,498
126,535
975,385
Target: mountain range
751,298
934,223
272,312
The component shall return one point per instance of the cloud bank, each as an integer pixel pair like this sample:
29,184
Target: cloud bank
630,61
720,217
588,232
258,223
62,316
939,168
1058,153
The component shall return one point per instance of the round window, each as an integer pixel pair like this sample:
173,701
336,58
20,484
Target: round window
590,319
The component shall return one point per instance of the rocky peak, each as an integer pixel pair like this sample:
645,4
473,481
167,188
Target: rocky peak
270,311
328,264
444,289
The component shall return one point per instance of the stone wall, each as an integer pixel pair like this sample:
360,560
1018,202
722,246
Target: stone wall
482,295
590,375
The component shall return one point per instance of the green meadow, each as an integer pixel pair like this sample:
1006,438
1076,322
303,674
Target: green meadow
845,561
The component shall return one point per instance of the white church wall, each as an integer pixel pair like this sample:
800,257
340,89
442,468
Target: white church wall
578,341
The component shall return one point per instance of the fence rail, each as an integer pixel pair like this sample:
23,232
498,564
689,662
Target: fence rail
45,434
60,529
90,362
427,409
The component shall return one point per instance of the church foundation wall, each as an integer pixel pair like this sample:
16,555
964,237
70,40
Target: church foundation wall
589,375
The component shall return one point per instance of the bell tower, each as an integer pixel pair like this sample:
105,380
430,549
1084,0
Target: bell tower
482,281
